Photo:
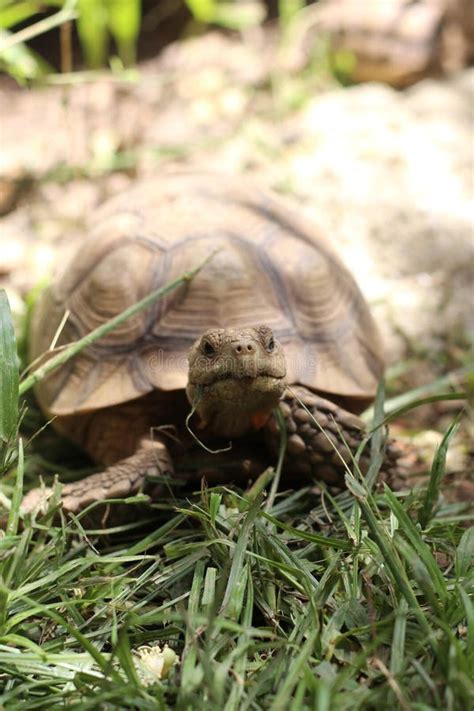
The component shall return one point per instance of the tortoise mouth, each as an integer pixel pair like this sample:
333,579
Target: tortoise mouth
243,377
260,379
227,406
244,392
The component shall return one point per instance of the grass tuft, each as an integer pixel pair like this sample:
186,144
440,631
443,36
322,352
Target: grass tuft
287,616
268,599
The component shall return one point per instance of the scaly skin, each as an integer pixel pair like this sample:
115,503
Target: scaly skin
125,478
236,379
323,439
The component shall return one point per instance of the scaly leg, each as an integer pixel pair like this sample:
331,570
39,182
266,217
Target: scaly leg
122,479
323,454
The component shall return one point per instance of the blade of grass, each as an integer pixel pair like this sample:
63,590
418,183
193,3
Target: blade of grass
21,62
103,329
464,563
377,439
64,15
124,655
12,14
191,673
124,25
469,610
8,373
234,700
387,549
93,31
94,653
402,403
14,514
240,550
414,537
438,469
281,455
420,573
307,536
397,655
282,700
418,403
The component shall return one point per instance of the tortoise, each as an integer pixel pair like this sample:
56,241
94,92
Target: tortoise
400,41
274,307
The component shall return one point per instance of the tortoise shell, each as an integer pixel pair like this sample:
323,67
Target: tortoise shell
271,267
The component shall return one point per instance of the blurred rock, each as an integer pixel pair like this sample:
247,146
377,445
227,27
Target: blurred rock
427,442
206,62
396,41
194,90
24,258
12,253
389,177
9,193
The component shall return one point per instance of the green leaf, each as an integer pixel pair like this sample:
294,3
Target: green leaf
281,701
209,591
386,546
124,25
465,554
318,538
378,438
20,61
237,572
124,655
202,10
8,373
13,13
93,32
413,404
438,469
288,9
421,396
65,14
239,16
469,611
413,535
397,654
14,515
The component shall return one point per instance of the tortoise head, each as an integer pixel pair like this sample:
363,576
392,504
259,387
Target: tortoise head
236,378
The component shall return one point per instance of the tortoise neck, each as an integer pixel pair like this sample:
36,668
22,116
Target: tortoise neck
233,422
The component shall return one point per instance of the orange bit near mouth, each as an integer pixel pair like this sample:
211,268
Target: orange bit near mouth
259,419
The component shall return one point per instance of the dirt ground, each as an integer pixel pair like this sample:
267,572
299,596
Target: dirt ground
386,175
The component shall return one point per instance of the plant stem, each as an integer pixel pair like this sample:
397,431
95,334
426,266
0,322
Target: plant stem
77,346
64,15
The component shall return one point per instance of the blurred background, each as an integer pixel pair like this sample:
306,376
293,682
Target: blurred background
359,111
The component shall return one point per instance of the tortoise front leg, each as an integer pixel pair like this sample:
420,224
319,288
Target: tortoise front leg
323,451
124,478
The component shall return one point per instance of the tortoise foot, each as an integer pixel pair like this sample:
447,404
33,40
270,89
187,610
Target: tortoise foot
125,478
323,439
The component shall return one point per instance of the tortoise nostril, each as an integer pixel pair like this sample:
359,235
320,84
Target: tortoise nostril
244,347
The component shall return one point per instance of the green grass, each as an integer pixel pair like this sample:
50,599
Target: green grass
108,30
270,599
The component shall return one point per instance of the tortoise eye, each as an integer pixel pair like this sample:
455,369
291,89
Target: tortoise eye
208,349
271,345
